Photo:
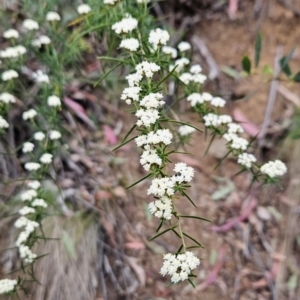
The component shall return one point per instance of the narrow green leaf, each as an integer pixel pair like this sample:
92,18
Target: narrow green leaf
124,143
195,217
195,241
161,224
180,248
267,70
161,233
112,59
193,247
128,133
107,73
211,141
246,63
184,194
284,63
147,176
258,48
296,77
192,283
182,123
166,77
178,235
221,160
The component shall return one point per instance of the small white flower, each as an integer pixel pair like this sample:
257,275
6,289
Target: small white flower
130,44
162,186
27,147
225,119
230,136
158,37
29,114
160,136
235,128
180,63
130,94
28,195
170,51
53,101
32,166
20,49
218,102
52,16
3,123
40,76
54,135
184,173
180,266
199,78
44,40
143,1
149,158
274,168
26,210
246,159
39,136
196,69
83,9
46,158
153,100
8,75
147,69
26,254
134,79
30,24
161,208
39,202
11,34
126,25
211,120
186,78
239,143
185,130
7,285
34,184
197,98
184,46
22,238
147,117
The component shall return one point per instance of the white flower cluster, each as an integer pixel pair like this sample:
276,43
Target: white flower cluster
274,168
163,136
153,100
29,114
197,98
52,16
169,51
184,173
161,208
53,101
184,46
3,123
147,69
30,24
180,266
7,285
83,9
246,159
13,52
41,77
126,25
185,130
11,34
130,44
149,158
42,40
110,2
7,98
9,74
131,94
161,186
158,37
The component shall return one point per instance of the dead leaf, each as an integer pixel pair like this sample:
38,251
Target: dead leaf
109,135
263,213
135,245
248,126
79,111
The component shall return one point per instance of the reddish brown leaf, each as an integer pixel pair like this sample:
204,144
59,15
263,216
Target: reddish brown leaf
248,126
109,135
79,111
